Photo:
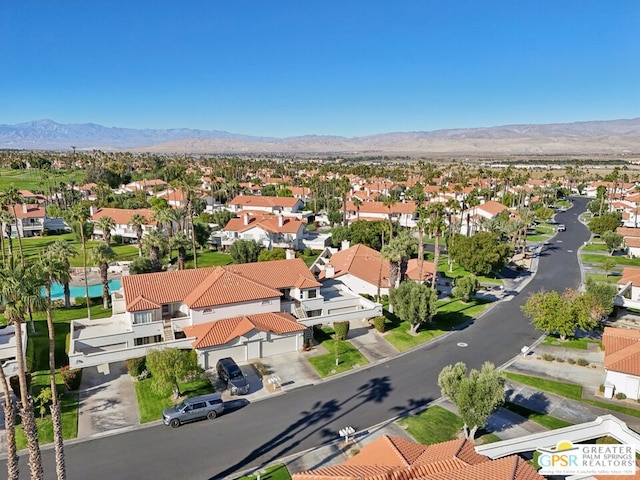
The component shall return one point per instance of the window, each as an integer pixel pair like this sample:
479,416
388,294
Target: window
286,292
143,317
312,293
165,310
199,405
147,340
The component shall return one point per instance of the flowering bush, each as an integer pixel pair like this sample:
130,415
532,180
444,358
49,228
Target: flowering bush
71,377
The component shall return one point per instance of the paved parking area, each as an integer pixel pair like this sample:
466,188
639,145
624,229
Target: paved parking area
107,400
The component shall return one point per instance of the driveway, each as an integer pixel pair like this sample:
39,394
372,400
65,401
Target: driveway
107,400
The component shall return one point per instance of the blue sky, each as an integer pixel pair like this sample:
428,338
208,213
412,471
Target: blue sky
348,67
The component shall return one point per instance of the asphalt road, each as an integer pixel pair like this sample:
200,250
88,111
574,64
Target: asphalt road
264,431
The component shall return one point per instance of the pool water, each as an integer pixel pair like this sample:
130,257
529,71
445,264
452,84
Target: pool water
57,290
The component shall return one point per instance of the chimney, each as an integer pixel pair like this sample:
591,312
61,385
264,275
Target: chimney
25,209
290,254
280,221
329,271
345,245
246,218
93,210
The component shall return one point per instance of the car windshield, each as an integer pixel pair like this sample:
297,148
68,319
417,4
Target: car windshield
179,406
235,374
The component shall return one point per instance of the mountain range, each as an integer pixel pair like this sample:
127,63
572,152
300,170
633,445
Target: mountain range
597,137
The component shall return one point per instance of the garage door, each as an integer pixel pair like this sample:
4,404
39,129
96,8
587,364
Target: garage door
279,345
239,354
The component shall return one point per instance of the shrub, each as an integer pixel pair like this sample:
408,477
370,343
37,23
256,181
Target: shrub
548,357
117,239
582,362
571,361
601,388
261,368
144,375
14,381
367,296
379,324
135,366
71,377
560,360
341,329
620,396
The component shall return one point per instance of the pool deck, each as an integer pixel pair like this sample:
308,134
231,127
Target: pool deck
92,277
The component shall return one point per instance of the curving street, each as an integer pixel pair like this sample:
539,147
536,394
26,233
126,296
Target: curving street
265,431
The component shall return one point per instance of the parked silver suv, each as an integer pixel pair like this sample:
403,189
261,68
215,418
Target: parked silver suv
194,408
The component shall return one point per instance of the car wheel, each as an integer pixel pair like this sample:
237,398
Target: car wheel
211,415
175,423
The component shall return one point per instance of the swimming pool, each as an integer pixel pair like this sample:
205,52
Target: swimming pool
57,290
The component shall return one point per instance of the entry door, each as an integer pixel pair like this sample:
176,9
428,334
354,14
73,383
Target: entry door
632,386
253,350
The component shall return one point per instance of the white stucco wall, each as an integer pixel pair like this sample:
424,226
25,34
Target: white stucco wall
359,286
235,310
627,384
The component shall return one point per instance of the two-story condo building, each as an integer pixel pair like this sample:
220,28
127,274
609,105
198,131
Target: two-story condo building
122,218
247,311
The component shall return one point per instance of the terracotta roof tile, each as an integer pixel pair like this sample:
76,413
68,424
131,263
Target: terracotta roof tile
248,201
622,350
380,208
269,223
220,332
122,216
628,231
630,274
32,210
140,303
362,262
258,280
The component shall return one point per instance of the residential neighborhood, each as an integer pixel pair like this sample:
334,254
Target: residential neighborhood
350,273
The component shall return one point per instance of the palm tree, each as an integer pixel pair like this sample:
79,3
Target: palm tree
6,221
63,251
106,224
13,469
166,217
389,202
421,226
137,222
356,203
436,227
52,269
190,184
181,242
102,255
78,215
155,242
12,197
396,252
18,297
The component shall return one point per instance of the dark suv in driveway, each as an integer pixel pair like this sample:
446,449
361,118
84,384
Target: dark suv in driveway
230,373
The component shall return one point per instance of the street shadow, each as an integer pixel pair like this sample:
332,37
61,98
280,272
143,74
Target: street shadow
315,420
235,405
537,401
412,405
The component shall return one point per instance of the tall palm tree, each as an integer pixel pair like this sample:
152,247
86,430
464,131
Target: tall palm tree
63,251
106,224
166,217
437,226
6,222
190,185
396,252
389,202
155,242
13,197
421,226
13,469
18,297
78,215
52,269
357,203
102,255
137,222
181,242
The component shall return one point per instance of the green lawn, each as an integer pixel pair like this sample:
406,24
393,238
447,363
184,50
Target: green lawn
69,407
577,343
451,313
595,258
276,472
569,390
458,271
595,247
543,419
603,278
537,238
436,425
151,404
348,356
37,180
544,229
209,259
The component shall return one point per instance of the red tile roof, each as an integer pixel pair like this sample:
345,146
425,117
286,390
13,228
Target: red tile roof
32,210
122,216
628,231
630,274
492,207
389,458
362,262
248,201
219,332
380,208
269,223
622,350
211,286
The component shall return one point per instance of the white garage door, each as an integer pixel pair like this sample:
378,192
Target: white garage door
279,345
239,354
